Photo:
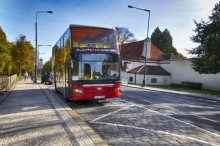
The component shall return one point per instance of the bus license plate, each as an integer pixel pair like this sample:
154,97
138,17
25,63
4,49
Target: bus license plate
99,97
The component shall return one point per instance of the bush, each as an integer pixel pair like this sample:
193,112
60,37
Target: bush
192,85
19,78
178,85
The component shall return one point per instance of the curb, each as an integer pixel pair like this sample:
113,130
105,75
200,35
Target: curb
96,139
93,136
208,97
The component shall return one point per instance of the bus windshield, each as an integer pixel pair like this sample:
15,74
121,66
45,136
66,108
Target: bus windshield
97,67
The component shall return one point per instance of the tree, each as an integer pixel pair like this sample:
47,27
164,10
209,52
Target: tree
156,39
164,41
207,55
4,50
124,35
168,42
9,65
23,55
47,67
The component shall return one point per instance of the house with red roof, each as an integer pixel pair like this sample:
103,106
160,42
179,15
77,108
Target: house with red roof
137,51
160,68
133,63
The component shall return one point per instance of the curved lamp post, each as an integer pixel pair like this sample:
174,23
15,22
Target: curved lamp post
36,52
129,6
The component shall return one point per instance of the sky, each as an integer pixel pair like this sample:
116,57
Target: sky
19,16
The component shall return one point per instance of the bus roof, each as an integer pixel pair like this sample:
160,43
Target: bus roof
89,26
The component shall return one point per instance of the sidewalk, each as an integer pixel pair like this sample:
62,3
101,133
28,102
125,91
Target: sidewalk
204,96
31,114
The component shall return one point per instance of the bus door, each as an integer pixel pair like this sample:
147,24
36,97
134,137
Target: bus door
69,81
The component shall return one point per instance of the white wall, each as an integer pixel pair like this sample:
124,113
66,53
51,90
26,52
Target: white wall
161,80
133,65
124,77
181,70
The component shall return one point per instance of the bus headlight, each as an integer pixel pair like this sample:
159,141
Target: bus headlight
117,89
78,91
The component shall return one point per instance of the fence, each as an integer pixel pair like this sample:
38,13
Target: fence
6,83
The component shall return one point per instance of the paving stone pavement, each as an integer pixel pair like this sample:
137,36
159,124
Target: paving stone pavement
30,115
123,123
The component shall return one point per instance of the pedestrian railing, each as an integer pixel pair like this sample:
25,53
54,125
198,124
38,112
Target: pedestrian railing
6,83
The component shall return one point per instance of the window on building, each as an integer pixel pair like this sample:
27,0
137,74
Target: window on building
130,79
153,80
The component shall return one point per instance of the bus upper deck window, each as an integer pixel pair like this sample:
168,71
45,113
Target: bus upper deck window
75,44
99,45
83,45
107,46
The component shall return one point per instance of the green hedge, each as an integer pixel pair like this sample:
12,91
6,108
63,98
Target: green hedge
19,78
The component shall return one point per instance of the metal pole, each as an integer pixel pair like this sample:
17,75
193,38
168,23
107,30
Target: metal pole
36,52
35,71
145,59
38,56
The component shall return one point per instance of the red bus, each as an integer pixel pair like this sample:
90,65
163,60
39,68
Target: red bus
86,63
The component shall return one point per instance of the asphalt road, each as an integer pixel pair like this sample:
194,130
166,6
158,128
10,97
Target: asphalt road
143,117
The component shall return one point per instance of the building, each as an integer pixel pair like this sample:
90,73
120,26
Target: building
161,68
133,62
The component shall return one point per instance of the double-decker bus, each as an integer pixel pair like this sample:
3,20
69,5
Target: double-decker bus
86,63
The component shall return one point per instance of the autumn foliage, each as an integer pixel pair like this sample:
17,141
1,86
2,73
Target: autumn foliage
15,57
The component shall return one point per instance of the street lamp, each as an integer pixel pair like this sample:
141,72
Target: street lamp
36,52
39,50
129,6
40,53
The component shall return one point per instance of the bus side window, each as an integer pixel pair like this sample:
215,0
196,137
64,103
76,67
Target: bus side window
87,71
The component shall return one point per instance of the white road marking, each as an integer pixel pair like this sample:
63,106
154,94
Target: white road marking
206,118
207,100
179,100
178,120
183,112
156,131
148,101
216,106
132,104
111,113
